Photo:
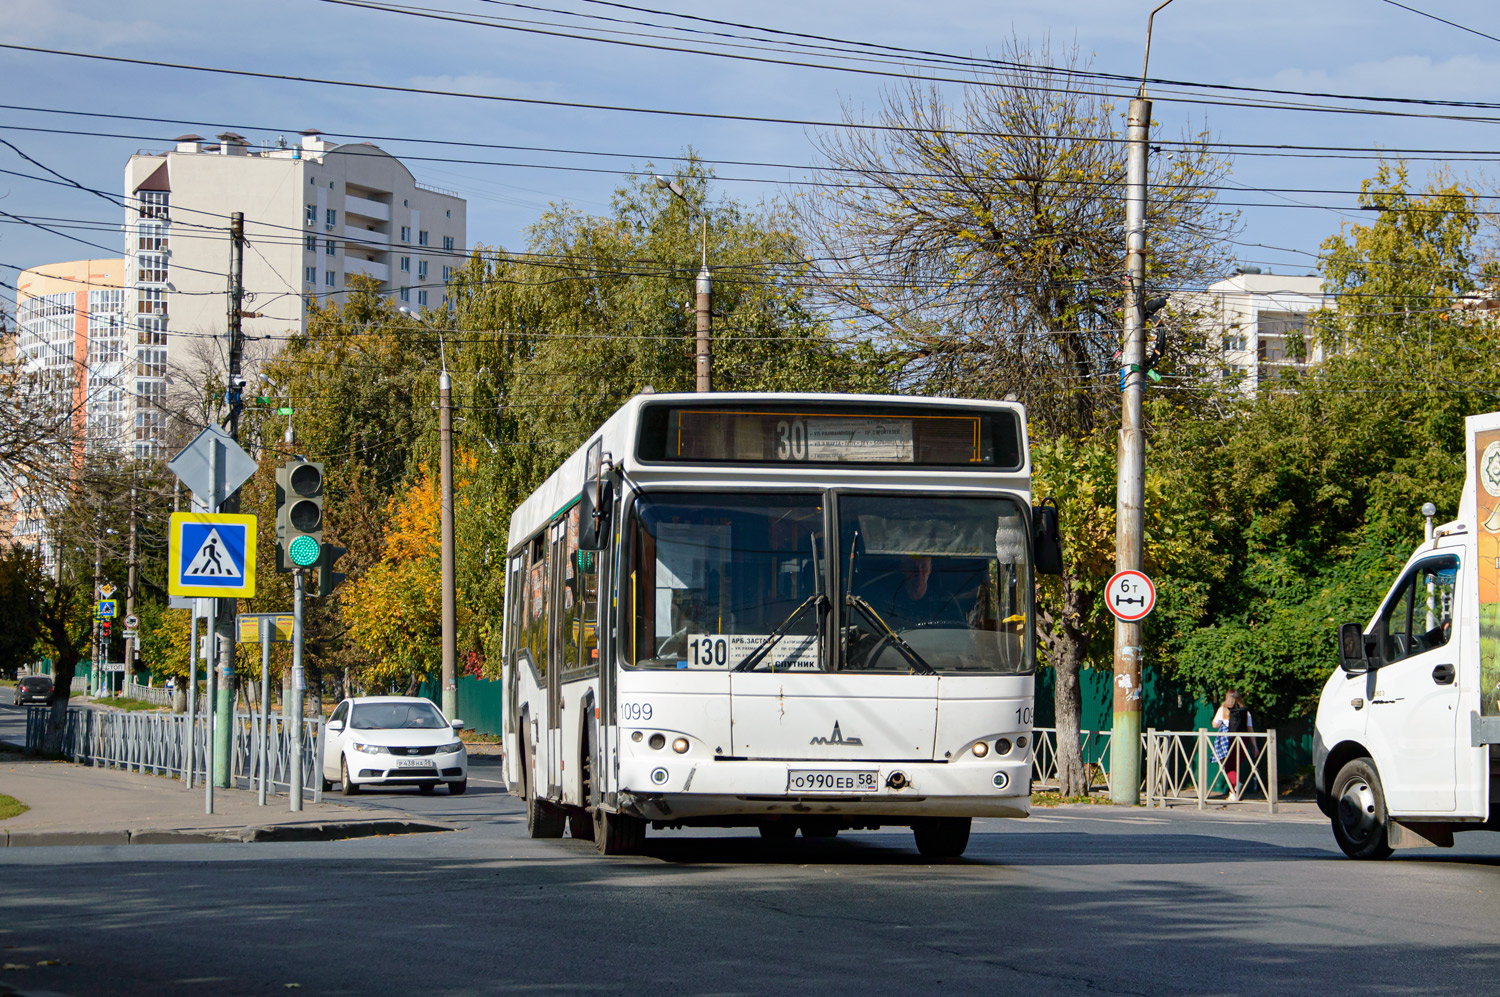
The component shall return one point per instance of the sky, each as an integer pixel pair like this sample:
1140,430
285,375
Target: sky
1371,48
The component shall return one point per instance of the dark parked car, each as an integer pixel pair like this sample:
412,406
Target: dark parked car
33,689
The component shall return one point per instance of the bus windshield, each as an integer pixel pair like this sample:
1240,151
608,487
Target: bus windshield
934,584
714,576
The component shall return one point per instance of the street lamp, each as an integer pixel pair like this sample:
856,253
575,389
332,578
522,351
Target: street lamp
703,359
445,474
289,437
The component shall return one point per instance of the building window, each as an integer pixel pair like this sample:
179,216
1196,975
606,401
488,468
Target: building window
422,298
447,274
151,330
406,233
328,277
406,264
151,237
330,218
422,237
447,242
310,274
151,268
329,248
421,269
312,181
153,203
150,301
312,244
406,294
449,212
312,214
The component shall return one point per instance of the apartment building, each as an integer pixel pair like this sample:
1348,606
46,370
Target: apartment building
71,333
1264,323
317,213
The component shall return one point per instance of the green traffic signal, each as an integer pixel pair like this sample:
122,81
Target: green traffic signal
303,551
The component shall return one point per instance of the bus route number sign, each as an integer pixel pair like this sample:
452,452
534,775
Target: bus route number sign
1130,595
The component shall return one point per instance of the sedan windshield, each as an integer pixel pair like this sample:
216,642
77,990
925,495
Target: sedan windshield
934,584
723,581
396,716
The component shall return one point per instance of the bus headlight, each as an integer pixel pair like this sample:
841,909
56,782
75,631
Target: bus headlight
980,749
680,745
658,741
1002,746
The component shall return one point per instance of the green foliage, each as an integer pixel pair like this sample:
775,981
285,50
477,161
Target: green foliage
1323,479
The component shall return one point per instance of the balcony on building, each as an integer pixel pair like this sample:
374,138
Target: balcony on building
367,267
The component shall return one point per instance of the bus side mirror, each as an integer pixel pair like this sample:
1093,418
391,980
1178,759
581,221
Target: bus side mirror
597,497
1352,658
1046,539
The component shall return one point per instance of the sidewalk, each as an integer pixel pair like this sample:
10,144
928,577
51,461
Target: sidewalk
82,805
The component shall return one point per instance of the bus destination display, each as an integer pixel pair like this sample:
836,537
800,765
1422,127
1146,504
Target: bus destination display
921,436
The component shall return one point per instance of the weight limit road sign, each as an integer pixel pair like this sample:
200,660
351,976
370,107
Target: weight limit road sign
211,555
1130,596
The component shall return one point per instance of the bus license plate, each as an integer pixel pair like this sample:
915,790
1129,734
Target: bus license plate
831,781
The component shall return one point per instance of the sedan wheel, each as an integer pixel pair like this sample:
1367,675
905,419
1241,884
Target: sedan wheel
458,788
350,789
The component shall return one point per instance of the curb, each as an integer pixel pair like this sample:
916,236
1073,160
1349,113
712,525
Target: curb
330,831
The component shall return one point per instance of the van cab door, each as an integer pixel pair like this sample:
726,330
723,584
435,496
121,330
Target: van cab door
1412,725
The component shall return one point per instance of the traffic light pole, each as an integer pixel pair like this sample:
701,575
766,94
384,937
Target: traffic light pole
294,778
450,601
223,702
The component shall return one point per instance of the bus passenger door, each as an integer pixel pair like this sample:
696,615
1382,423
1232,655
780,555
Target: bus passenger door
555,544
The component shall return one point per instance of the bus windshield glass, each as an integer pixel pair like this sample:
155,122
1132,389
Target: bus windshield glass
934,584
715,576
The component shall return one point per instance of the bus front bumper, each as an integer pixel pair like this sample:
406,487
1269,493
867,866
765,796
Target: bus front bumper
671,790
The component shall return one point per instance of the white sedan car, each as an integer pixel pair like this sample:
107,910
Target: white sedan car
393,741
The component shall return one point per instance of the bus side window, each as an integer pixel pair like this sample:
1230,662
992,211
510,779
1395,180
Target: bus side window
513,590
536,601
569,603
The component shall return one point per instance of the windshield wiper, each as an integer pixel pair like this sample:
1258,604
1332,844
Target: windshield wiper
764,647
918,663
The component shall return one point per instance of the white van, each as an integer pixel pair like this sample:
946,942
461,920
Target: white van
1408,726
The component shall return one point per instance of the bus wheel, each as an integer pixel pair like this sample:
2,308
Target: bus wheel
815,827
618,834
543,819
942,837
1359,819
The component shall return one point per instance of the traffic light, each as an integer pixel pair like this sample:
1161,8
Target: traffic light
104,628
299,514
328,579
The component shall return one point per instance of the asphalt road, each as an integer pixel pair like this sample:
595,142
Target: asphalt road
1084,900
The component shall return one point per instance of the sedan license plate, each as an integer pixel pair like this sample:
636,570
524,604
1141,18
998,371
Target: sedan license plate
831,781
414,763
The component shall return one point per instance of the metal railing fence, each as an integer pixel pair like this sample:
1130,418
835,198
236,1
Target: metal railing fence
157,743
1180,766
1192,766
156,695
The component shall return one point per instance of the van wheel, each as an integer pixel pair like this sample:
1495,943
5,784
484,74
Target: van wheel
1359,819
942,837
618,834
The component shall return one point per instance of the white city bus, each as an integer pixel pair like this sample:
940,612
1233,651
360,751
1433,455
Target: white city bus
783,611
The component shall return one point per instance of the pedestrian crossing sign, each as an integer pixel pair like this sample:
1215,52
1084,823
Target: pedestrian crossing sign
211,554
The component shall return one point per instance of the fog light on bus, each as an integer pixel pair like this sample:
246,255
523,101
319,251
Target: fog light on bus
1001,780
659,776
680,745
658,741
636,737
1002,746
980,749
1021,741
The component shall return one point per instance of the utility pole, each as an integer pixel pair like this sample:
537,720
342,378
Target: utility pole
294,777
97,671
223,623
705,287
450,608
131,644
1130,480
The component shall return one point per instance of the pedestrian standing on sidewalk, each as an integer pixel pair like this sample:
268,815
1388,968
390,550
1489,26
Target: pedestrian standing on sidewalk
1233,717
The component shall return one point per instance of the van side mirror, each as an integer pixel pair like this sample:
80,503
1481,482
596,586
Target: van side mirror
1352,657
1046,539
